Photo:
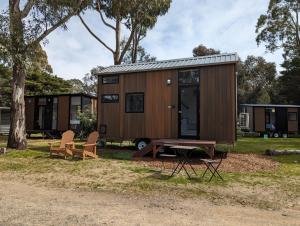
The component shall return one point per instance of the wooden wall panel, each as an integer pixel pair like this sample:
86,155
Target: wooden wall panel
133,123
63,113
217,103
158,99
293,125
29,112
109,113
259,119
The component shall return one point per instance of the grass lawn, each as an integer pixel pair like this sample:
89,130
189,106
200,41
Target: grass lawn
117,172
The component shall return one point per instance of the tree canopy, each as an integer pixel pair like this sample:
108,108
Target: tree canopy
202,50
279,27
137,16
256,79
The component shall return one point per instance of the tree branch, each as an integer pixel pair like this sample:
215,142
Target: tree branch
102,18
94,35
27,8
128,42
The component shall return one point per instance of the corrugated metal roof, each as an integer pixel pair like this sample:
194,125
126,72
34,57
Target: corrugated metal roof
171,64
272,105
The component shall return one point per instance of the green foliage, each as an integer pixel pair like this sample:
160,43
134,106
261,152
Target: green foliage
88,122
279,27
37,83
202,50
256,79
5,79
289,82
88,85
141,56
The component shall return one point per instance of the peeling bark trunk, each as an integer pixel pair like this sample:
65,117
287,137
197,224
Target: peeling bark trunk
17,133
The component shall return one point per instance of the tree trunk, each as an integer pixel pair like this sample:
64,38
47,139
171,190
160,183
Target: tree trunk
17,133
117,53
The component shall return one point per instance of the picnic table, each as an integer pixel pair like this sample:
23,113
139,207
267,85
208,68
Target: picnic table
209,146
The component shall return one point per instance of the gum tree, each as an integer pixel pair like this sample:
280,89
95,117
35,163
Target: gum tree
23,25
137,16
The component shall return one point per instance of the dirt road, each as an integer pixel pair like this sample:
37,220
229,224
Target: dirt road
22,204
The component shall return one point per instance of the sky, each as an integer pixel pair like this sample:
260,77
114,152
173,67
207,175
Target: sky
227,25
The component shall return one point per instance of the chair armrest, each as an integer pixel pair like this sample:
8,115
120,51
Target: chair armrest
52,143
89,145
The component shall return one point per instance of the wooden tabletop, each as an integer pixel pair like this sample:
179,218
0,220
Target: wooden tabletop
183,147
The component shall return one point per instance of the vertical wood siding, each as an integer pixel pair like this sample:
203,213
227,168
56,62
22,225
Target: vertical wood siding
160,117
259,119
217,103
63,114
293,125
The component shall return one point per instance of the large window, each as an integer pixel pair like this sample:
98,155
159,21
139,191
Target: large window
110,79
292,116
86,103
134,103
75,108
110,98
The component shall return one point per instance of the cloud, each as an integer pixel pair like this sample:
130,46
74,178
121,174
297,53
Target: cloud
227,25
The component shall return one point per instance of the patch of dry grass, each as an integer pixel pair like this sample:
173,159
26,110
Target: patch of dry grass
115,171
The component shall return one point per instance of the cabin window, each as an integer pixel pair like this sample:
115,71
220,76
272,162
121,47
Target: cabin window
5,117
134,103
110,79
75,108
86,103
292,116
110,98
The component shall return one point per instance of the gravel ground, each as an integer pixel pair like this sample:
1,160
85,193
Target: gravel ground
22,204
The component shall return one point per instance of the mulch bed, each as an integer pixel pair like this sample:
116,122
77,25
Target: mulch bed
233,163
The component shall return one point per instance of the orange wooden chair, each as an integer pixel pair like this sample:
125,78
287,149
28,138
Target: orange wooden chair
66,144
89,148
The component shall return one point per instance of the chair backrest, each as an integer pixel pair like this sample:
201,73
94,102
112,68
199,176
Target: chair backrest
92,139
66,137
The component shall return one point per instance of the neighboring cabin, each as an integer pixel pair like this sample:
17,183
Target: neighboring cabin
4,120
275,120
192,98
54,114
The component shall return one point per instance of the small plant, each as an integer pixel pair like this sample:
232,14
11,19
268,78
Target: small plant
88,123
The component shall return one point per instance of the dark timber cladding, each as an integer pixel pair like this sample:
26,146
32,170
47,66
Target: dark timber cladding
282,118
155,91
56,112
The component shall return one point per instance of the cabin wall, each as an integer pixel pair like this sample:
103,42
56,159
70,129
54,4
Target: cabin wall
259,119
29,112
293,124
63,114
217,103
160,117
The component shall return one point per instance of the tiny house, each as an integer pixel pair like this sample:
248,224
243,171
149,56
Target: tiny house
4,120
271,119
191,98
56,113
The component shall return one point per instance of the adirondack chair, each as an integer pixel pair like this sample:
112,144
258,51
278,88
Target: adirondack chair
66,144
89,148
